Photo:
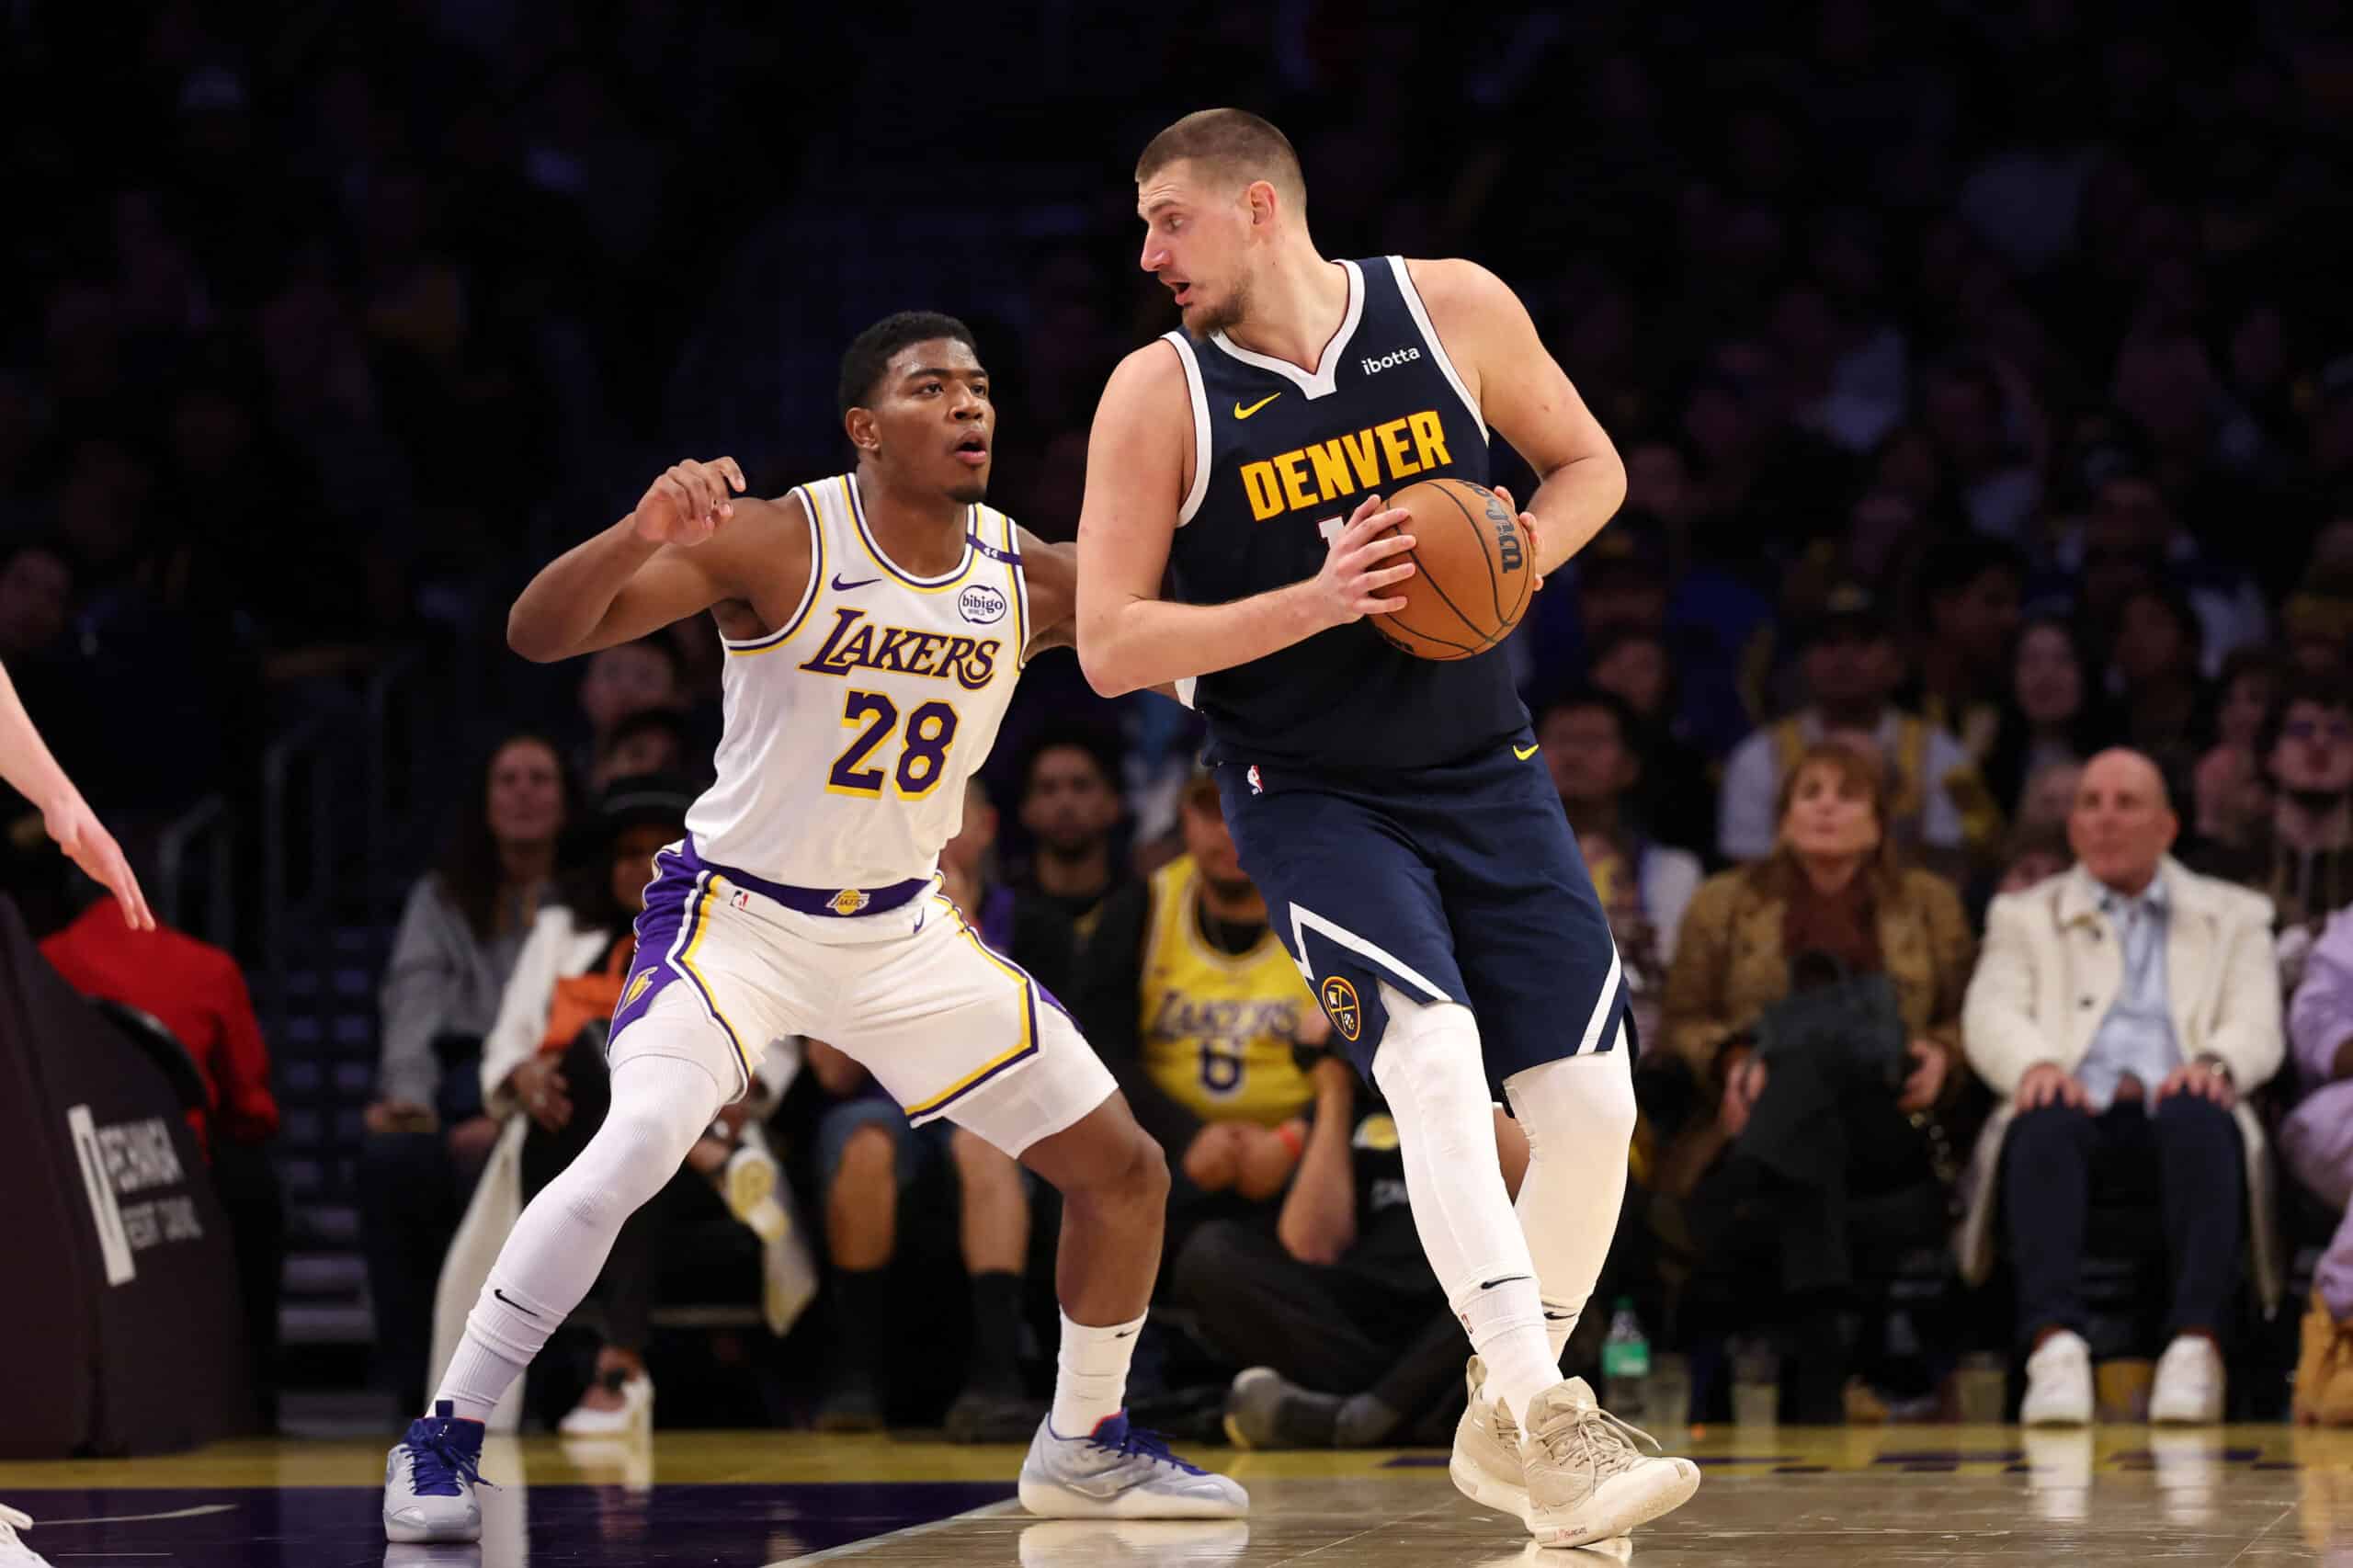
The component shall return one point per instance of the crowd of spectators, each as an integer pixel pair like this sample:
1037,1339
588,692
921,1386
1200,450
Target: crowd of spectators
1964,683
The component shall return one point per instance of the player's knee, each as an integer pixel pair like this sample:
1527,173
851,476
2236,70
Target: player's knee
868,1161
1429,1060
1139,1176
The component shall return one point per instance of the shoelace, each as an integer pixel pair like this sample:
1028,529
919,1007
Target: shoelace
437,1462
1601,1442
1141,1442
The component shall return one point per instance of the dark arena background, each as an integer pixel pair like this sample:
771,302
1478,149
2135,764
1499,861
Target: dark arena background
1983,377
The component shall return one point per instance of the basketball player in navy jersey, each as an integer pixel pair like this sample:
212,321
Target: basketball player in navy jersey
1393,810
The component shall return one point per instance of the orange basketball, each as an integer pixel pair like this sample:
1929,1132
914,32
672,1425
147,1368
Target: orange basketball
1473,572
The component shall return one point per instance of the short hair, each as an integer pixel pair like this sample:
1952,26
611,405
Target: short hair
1100,749
869,353
1867,770
2326,694
1232,144
1630,724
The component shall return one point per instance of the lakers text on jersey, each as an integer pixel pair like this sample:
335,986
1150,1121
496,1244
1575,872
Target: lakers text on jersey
803,900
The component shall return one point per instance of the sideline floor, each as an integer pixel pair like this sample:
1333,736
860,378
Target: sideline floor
2238,1497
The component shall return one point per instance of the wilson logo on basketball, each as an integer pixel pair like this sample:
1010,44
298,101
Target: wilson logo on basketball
981,605
1509,557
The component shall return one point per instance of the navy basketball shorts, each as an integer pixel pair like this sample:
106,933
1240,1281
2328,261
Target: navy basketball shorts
1457,883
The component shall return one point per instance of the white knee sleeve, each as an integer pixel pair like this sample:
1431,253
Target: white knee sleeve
1578,1114
660,1105
1430,1070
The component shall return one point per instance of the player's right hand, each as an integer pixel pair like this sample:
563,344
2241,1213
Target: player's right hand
686,506
1359,565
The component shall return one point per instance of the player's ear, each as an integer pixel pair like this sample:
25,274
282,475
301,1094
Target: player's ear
864,433
1259,198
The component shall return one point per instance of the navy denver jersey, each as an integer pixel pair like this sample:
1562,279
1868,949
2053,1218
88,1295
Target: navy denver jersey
1281,459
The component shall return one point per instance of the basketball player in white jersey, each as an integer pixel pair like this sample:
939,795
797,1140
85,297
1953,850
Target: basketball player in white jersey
875,624
27,765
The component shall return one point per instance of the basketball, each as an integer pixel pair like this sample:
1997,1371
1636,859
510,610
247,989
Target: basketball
1473,572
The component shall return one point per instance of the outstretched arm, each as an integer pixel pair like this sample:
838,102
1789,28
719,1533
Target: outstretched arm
26,762
1129,637
1524,394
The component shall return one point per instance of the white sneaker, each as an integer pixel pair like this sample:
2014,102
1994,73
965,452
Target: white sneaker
15,1553
430,1480
1587,1480
1486,1465
634,1416
2058,1383
749,1183
2189,1387
1120,1472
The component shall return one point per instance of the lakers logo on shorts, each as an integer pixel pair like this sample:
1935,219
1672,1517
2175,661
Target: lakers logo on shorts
849,901
1339,999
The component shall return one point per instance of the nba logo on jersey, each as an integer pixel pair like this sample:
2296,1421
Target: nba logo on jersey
1257,785
742,898
849,901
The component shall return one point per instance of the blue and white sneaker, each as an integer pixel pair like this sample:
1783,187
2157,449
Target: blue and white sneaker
1117,1471
430,1480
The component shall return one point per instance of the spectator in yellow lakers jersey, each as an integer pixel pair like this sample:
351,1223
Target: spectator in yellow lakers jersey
1193,1005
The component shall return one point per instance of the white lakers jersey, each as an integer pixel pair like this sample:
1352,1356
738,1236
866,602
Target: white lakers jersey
850,730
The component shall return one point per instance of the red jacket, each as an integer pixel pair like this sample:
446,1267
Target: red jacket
199,993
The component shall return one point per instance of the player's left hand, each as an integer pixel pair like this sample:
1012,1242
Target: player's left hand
1528,526
88,845
1927,1079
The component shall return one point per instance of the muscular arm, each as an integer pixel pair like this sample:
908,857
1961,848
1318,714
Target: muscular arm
626,582
1051,574
1524,394
1130,638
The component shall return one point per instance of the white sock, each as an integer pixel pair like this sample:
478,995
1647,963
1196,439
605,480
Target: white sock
1091,1375
660,1105
1431,1072
1578,1116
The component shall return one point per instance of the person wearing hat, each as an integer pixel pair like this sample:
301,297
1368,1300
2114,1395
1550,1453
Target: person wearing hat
1852,668
543,1073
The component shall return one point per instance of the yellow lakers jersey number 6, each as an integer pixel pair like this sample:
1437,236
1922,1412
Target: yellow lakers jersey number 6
1217,1028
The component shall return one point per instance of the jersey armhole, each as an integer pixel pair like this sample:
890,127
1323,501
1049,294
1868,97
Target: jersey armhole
1200,397
1421,315
1013,569
800,615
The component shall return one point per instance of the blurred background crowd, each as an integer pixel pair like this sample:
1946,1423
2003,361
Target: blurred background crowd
1984,379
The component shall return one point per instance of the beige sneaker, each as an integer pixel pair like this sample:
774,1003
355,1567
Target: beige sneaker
1487,1466
1587,1480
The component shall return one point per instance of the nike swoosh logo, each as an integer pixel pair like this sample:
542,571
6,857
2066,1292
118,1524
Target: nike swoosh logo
1524,754
512,1303
1242,413
1130,1335
1491,1284
842,587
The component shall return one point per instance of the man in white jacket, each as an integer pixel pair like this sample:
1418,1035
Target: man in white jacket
2122,1008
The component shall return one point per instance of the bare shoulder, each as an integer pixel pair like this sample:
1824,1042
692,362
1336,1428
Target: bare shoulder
1451,286
1148,382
